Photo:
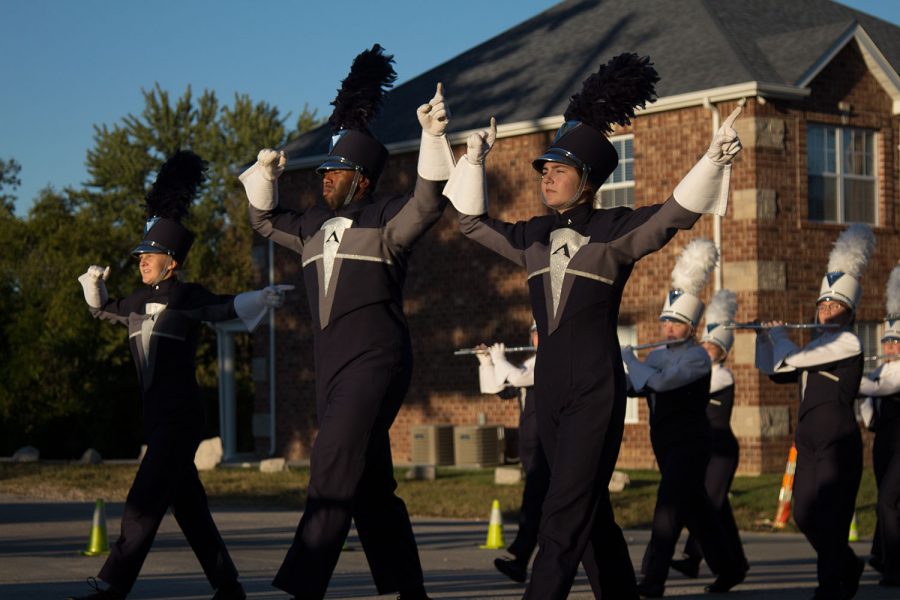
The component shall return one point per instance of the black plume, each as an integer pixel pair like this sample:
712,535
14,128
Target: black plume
176,185
612,93
358,101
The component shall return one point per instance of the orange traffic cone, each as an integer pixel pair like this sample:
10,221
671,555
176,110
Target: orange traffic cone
783,512
495,529
98,542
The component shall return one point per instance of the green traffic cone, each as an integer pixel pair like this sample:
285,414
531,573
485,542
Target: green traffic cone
98,542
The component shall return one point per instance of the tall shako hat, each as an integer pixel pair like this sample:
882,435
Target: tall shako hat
689,276
608,96
846,264
168,202
720,313
892,296
358,102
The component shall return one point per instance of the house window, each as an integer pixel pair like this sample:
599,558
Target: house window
841,174
618,190
628,337
869,336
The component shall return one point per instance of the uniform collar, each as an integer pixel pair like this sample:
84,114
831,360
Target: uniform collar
350,211
575,216
166,284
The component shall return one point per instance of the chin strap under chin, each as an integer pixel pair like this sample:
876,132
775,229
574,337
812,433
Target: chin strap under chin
164,273
574,199
353,185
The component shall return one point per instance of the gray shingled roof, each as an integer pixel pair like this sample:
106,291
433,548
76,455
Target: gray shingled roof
530,71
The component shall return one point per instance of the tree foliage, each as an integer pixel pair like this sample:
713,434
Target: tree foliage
67,381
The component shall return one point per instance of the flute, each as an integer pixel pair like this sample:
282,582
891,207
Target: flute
467,351
659,343
761,326
882,357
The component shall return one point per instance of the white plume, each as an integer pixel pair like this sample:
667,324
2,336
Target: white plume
722,308
693,266
852,250
892,292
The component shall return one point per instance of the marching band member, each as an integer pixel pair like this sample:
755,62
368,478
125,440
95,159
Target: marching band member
578,261
829,445
676,381
355,252
717,341
882,388
497,375
163,322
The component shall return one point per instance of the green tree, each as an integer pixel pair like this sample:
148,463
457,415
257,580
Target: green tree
66,380
9,178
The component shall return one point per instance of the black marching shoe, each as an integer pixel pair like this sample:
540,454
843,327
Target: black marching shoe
889,581
853,572
724,583
648,589
688,567
414,594
98,593
512,568
230,591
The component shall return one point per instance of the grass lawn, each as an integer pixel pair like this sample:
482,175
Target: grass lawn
455,493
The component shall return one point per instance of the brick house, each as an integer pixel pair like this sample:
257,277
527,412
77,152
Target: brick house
817,81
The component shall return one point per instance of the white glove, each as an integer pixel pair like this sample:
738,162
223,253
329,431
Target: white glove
273,295
482,353
725,144
435,115
705,188
93,286
260,179
435,156
480,143
498,352
251,307
467,188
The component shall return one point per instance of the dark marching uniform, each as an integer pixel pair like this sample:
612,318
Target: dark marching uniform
354,266
883,387
578,263
723,462
163,325
676,381
828,371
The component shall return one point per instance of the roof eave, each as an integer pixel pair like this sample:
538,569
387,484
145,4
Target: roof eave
738,91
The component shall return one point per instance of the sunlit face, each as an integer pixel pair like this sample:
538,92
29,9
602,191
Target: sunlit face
675,330
156,267
336,185
715,352
833,312
890,347
559,183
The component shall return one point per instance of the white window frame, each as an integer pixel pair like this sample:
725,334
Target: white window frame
838,176
628,337
619,185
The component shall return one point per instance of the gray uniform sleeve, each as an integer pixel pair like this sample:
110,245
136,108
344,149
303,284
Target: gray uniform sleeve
280,225
651,234
417,216
506,239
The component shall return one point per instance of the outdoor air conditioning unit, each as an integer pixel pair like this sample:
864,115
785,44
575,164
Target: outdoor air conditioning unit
477,445
432,445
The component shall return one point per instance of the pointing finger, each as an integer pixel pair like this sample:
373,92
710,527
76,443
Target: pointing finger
732,118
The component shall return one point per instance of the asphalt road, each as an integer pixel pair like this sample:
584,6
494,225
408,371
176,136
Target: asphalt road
40,541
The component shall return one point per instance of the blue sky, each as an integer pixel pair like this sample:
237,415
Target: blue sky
68,65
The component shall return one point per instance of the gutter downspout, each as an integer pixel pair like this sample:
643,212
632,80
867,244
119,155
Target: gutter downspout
271,355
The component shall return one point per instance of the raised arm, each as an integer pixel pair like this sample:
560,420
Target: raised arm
665,375
882,382
266,218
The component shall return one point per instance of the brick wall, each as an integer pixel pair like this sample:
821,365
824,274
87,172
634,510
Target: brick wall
459,294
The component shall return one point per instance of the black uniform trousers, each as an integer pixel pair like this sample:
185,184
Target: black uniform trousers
537,480
682,500
829,468
351,477
581,433
167,478
719,476
886,463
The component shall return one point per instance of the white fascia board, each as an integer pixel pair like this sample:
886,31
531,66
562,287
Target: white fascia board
813,71
749,89
880,67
